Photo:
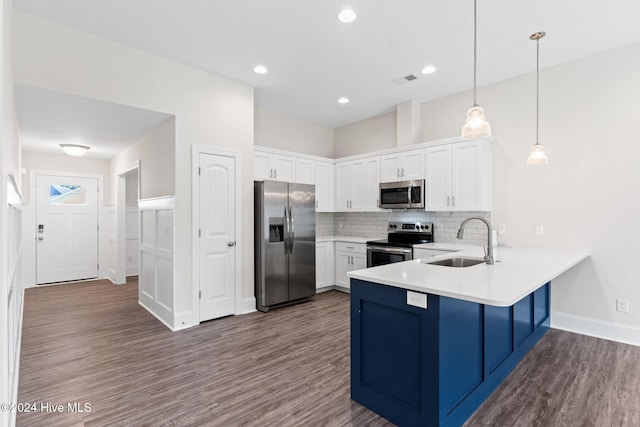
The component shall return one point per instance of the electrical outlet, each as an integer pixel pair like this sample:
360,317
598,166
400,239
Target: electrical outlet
417,299
539,230
622,305
129,258
502,229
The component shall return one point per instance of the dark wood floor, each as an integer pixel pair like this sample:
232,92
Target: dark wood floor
92,342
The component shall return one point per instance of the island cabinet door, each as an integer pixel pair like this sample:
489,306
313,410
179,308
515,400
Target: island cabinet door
394,354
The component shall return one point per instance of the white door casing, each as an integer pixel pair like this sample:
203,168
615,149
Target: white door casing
217,240
66,228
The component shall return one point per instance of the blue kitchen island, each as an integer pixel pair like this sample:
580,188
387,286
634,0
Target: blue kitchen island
430,343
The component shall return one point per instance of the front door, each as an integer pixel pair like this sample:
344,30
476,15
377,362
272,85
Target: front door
66,228
217,252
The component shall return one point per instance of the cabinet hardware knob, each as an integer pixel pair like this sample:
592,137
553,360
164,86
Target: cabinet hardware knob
230,244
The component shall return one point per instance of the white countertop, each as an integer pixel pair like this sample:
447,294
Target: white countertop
516,273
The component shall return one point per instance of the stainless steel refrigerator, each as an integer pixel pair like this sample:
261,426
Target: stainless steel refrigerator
285,243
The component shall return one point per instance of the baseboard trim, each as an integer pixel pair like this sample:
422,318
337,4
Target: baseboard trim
246,305
613,331
163,321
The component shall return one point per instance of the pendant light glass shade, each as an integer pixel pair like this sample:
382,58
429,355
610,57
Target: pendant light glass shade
537,156
476,125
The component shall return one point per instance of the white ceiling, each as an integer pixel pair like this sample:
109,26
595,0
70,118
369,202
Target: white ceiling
48,118
313,59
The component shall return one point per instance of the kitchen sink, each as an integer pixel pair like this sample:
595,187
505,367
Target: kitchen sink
457,262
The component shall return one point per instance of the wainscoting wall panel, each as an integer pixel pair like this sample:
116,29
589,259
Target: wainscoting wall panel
156,275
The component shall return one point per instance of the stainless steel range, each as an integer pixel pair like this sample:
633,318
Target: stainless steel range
399,243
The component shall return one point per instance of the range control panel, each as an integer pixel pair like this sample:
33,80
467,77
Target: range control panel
416,227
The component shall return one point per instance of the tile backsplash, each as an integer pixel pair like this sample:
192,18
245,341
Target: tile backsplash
374,224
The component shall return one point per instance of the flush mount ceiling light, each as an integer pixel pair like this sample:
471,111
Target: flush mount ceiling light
476,126
343,100
429,69
74,149
260,69
537,157
347,16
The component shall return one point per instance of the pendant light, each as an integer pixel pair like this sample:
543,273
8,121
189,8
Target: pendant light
476,126
537,157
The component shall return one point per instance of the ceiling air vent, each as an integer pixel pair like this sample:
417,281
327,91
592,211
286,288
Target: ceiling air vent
406,79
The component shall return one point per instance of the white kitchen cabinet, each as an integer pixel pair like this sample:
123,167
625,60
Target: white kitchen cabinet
325,186
402,166
349,257
325,264
459,177
357,184
305,171
275,167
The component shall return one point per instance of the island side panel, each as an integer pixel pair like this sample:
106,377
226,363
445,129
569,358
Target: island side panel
461,335
460,351
394,354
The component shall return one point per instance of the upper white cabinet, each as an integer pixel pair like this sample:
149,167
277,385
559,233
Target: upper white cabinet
305,171
275,167
272,165
357,184
402,166
459,177
325,184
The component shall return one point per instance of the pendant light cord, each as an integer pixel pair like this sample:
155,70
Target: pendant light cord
537,88
475,6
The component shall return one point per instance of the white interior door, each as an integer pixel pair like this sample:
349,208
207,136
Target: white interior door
217,236
67,228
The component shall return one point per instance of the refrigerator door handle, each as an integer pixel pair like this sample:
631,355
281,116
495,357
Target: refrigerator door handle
286,231
292,230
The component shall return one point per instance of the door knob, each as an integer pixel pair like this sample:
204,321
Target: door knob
40,238
230,244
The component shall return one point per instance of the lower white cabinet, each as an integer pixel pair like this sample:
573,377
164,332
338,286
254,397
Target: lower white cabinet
325,264
349,257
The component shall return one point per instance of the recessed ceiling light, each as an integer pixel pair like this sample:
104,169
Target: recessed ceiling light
260,69
347,15
429,69
343,100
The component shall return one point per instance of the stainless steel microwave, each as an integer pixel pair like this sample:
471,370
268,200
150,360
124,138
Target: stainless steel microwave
402,194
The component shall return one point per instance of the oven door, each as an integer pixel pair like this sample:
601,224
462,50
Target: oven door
381,255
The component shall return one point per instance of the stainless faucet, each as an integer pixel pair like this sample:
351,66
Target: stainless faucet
488,253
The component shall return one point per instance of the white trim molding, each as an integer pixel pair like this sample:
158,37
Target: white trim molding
613,331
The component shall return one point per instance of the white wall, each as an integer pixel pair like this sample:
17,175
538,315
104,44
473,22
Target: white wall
156,153
131,224
284,132
365,136
208,109
10,162
131,189
588,196
64,163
